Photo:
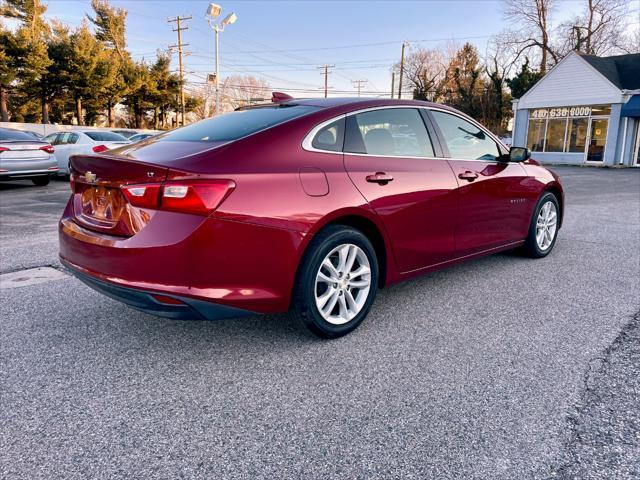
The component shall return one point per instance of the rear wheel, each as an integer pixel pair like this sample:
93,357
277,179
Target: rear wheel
337,282
543,230
41,181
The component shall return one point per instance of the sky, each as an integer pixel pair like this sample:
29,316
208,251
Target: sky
285,41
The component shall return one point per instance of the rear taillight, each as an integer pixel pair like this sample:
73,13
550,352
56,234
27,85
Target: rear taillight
100,148
4,149
48,148
72,182
199,197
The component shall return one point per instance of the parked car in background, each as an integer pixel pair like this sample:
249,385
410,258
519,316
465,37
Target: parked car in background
141,136
125,133
302,205
73,142
24,157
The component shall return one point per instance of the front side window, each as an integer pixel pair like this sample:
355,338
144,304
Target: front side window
51,138
331,137
464,140
234,125
389,132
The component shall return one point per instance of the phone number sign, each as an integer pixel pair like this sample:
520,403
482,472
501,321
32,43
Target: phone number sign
561,112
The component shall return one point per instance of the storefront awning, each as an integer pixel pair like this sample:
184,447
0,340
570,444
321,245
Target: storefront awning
632,107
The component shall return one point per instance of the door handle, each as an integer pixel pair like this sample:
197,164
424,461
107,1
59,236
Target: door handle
380,177
468,175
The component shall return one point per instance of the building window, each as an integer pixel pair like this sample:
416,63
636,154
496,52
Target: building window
535,136
554,138
577,135
563,129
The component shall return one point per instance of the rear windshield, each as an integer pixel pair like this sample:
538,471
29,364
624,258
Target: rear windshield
234,125
105,137
8,135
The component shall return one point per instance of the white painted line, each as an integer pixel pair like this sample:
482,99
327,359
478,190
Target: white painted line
31,276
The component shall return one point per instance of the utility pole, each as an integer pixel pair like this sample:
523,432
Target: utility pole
326,77
179,46
393,81
358,84
401,71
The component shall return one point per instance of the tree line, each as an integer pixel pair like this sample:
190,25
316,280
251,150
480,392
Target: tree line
517,57
52,73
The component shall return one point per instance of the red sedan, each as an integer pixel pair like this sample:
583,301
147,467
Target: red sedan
302,205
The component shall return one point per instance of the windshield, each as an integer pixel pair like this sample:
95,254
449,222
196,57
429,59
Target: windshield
235,125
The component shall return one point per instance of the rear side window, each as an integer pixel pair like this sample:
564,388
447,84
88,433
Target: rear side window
105,137
331,137
235,125
389,132
8,135
464,140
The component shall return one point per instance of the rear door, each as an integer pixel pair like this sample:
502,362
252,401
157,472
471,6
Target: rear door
391,159
493,194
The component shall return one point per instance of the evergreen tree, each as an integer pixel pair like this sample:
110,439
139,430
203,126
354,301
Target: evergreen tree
8,67
524,80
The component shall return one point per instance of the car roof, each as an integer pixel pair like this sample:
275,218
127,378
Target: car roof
352,103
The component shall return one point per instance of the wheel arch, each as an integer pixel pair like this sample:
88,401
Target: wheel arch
556,189
367,223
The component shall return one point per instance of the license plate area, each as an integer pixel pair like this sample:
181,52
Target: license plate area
102,206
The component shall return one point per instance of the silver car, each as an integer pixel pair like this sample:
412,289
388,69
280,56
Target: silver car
76,142
24,157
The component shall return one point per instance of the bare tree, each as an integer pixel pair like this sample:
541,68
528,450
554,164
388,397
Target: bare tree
238,91
599,30
532,29
424,71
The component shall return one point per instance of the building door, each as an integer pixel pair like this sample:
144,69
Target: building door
597,139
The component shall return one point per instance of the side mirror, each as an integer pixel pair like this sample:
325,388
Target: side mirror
519,154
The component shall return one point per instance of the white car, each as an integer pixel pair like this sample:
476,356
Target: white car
81,141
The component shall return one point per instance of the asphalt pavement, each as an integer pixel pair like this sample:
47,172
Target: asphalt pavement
503,367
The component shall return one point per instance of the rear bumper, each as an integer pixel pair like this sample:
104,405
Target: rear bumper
18,168
144,300
200,261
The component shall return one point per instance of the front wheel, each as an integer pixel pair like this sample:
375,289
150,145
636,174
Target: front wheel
543,230
337,282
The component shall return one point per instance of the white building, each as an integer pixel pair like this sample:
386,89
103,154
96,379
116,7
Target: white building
586,110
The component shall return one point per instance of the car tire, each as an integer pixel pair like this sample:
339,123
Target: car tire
41,181
341,290
544,227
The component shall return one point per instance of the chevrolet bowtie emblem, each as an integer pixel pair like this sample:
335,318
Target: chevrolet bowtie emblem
90,177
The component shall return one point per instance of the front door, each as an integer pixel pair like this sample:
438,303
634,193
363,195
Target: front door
597,139
390,158
494,196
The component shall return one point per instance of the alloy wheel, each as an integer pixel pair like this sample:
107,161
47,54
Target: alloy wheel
546,225
342,284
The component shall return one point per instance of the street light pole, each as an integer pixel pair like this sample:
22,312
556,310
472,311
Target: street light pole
217,72
213,12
